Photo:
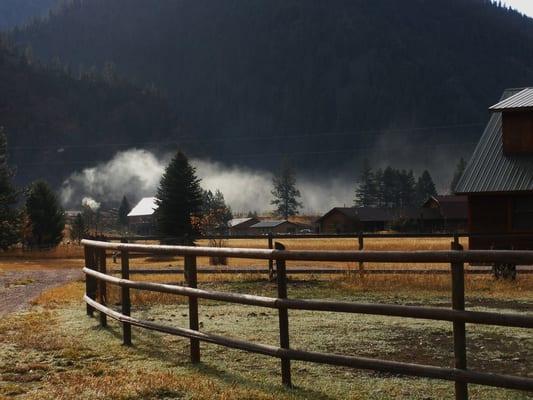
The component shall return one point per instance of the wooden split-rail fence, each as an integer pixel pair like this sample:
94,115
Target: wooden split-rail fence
97,279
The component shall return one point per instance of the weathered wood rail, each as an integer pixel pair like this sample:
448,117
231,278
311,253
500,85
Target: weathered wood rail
97,279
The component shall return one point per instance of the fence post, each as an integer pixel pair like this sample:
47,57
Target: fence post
281,275
90,282
361,246
102,287
125,297
459,328
271,274
192,281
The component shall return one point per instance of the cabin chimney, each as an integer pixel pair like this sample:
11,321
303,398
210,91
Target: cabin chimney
517,123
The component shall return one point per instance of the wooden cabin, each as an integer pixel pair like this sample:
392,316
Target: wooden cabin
498,179
275,226
446,213
241,226
141,218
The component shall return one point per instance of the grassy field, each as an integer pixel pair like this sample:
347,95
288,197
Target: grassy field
54,351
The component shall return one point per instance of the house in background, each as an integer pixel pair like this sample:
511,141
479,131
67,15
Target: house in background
241,226
141,218
498,179
355,219
275,226
445,213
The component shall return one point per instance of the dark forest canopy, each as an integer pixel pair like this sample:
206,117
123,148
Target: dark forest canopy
326,82
57,123
17,12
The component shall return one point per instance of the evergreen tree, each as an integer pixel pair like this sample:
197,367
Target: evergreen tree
459,169
380,191
123,212
10,217
215,213
45,216
179,199
406,194
366,191
285,192
78,229
424,188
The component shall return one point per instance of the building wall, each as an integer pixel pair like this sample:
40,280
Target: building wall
493,214
142,225
337,222
286,227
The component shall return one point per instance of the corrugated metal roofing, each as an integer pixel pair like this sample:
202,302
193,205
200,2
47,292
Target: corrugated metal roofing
237,221
145,207
522,100
268,224
489,170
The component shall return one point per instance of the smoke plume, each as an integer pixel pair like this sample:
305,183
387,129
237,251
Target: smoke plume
136,173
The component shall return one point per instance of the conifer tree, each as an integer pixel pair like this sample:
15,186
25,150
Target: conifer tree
425,188
10,217
285,194
123,212
366,191
179,199
46,218
78,229
459,169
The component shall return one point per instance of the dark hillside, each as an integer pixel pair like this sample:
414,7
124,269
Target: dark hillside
17,12
56,123
306,77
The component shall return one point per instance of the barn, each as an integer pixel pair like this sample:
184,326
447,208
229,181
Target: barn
275,226
446,213
355,219
241,226
498,179
141,218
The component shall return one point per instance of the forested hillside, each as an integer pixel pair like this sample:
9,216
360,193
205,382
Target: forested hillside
322,81
16,12
57,123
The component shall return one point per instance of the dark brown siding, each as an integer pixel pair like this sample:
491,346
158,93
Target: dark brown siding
337,222
517,133
493,214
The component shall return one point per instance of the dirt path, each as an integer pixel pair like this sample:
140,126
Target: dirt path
19,288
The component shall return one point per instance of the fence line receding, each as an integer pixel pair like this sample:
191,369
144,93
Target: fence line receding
96,295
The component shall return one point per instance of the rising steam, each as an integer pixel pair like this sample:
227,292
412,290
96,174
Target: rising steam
136,173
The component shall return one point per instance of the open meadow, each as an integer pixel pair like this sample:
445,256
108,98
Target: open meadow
52,350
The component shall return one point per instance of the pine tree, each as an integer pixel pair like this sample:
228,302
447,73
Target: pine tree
406,192
425,188
366,191
285,192
459,169
215,213
78,229
179,199
123,212
10,217
45,216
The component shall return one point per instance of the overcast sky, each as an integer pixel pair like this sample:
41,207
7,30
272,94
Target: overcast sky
524,6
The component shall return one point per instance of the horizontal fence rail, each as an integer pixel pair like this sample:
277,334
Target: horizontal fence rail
97,278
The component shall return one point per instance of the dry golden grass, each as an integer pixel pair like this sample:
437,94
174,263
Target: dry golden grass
61,295
63,251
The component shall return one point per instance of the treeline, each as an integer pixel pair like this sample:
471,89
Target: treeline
53,116
290,73
17,12
393,188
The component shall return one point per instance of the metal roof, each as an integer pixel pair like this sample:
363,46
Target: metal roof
523,100
145,207
237,221
269,224
489,170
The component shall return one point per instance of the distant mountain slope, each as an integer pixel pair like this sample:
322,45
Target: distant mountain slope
324,81
57,124
16,12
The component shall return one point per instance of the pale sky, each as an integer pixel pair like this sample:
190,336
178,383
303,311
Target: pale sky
524,6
